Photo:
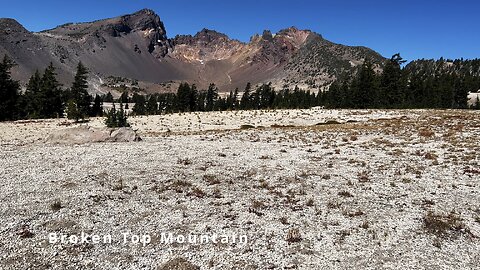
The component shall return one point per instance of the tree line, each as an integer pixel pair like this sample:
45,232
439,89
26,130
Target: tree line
420,84
189,99
44,96
428,84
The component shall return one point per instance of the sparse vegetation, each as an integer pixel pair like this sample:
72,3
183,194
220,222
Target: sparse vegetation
197,192
56,205
116,119
184,161
449,225
345,194
293,235
360,197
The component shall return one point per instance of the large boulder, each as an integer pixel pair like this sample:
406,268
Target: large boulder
124,135
87,134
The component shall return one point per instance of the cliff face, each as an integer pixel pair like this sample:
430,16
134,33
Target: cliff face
136,47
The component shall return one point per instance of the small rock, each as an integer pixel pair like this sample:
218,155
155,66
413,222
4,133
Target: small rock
24,232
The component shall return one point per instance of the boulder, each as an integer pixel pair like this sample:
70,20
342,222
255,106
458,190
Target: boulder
87,134
124,135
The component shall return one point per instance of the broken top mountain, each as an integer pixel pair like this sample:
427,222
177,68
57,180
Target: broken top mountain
135,49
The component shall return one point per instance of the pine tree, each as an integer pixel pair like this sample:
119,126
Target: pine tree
193,98
50,95
9,91
184,96
32,96
391,88
108,97
364,87
265,96
116,118
201,101
229,101
245,102
211,97
220,104
79,93
331,97
122,117
235,99
140,104
460,92
73,112
97,108
111,120
124,99
152,105
415,91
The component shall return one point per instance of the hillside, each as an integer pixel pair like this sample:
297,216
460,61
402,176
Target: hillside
136,47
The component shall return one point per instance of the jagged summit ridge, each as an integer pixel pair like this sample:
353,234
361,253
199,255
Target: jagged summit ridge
145,21
136,46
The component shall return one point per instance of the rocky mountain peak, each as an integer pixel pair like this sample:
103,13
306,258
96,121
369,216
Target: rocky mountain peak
293,34
289,57
204,37
145,23
154,31
207,36
144,19
267,35
9,26
291,29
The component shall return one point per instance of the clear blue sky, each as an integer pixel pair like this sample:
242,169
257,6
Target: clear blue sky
416,29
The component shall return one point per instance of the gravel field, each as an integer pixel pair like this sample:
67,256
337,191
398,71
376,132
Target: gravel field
306,189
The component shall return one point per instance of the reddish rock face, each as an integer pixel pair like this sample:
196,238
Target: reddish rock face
136,47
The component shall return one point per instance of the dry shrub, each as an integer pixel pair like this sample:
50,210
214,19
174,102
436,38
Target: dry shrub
180,186
184,161
365,225
333,205
293,235
255,204
197,192
355,214
284,220
430,156
363,177
264,184
444,225
427,133
56,205
345,194
458,127
310,202
211,179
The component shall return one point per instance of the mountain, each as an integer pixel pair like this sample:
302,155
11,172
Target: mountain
135,48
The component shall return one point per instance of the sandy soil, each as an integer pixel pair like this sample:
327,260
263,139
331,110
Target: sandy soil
311,189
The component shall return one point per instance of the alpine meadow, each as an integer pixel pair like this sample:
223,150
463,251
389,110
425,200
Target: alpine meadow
122,147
